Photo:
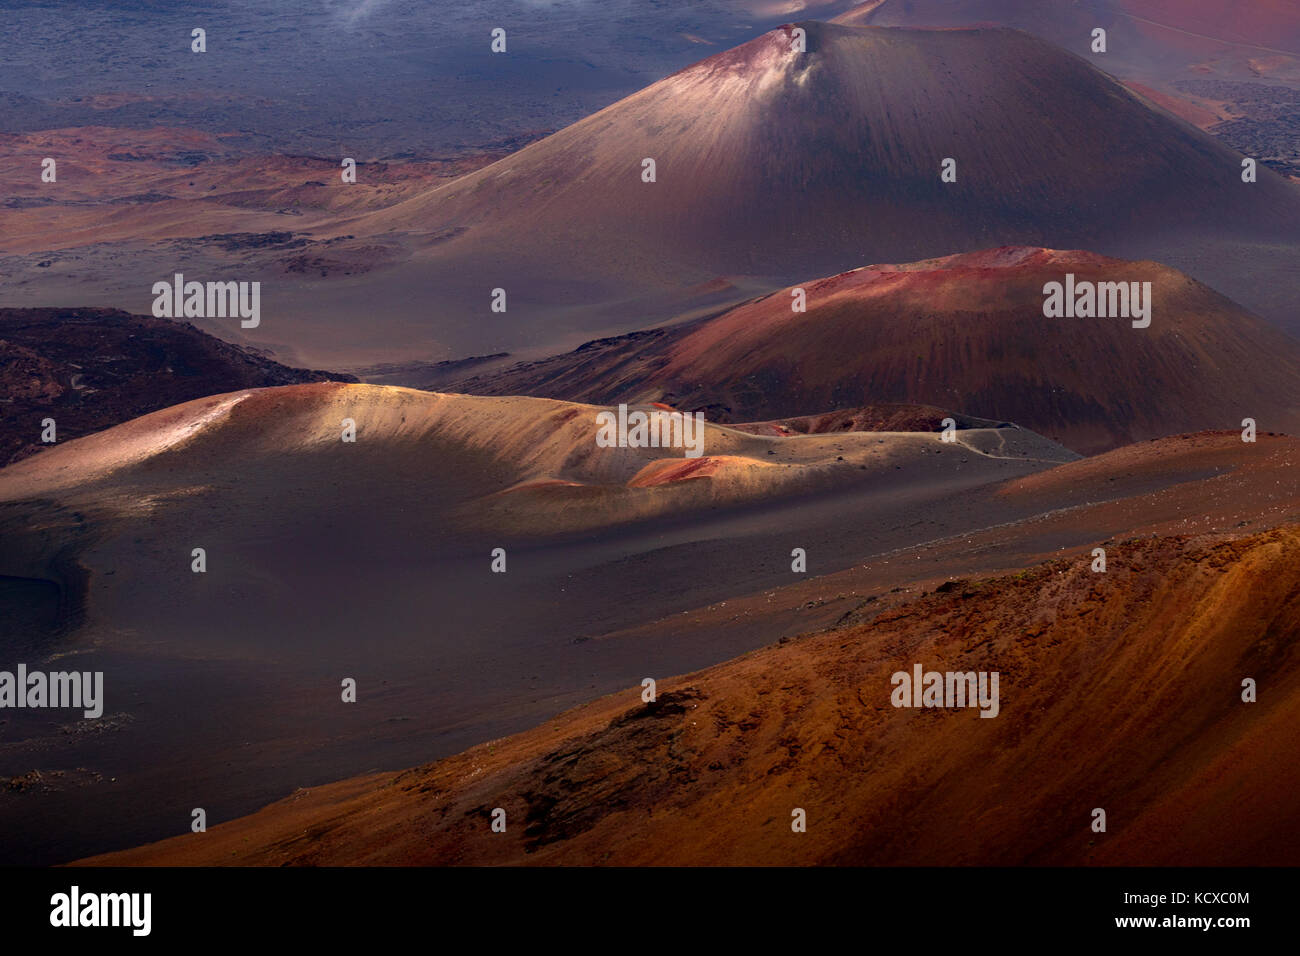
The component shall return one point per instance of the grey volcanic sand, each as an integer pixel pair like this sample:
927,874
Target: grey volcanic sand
223,689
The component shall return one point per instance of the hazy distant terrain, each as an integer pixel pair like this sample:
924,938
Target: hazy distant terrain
365,78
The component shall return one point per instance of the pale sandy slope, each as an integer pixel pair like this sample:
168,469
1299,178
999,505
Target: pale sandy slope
517,464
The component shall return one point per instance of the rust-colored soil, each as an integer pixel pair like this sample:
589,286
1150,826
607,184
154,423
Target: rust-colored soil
1119,691
963,332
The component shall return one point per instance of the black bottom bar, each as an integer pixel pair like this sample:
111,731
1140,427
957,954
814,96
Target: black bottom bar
651,907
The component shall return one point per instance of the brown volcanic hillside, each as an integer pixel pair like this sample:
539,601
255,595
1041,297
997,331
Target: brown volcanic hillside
90,369
1119,691
964,332
775,163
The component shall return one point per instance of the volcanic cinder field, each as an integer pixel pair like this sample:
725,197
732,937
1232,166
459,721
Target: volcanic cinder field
667,392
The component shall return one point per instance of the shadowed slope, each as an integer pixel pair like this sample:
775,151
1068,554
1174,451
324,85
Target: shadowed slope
372,559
